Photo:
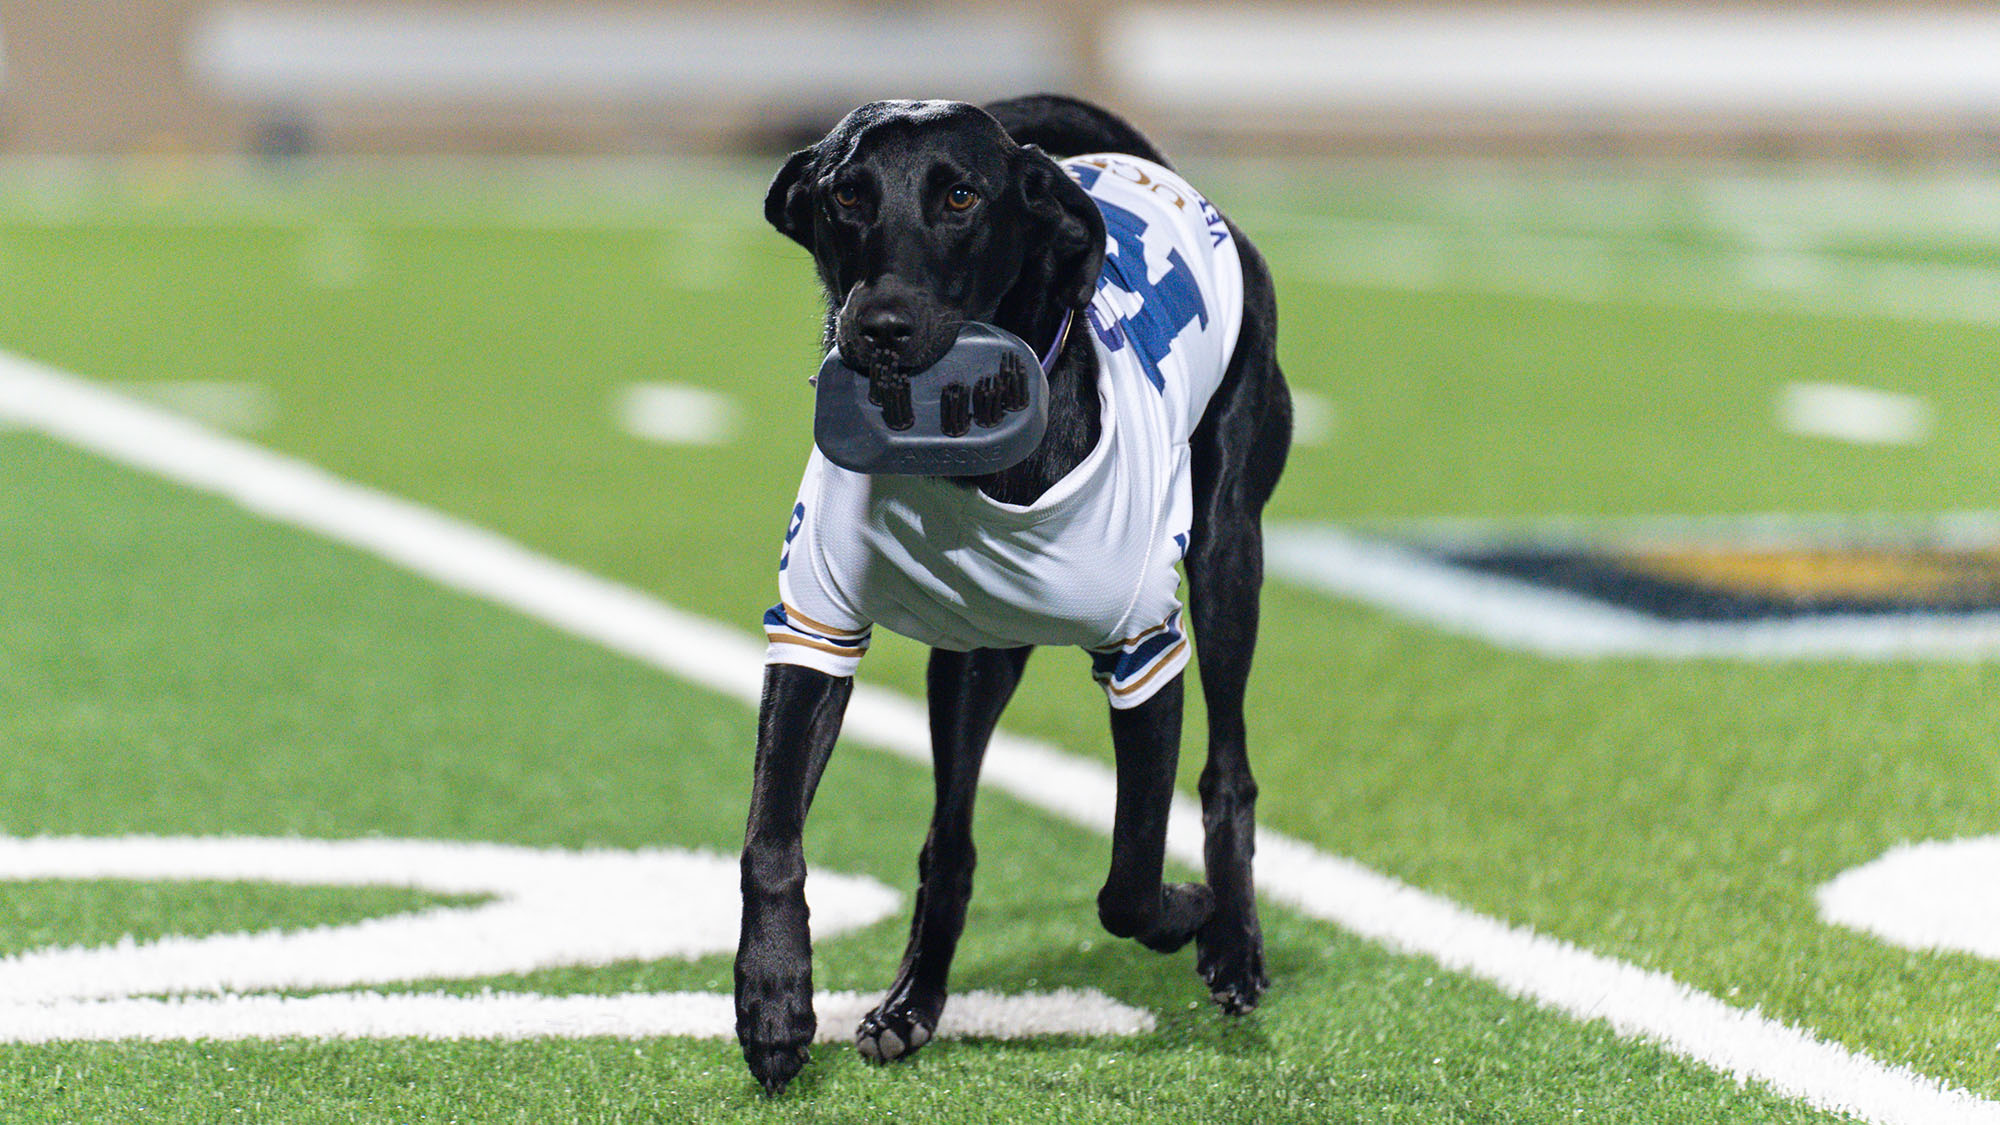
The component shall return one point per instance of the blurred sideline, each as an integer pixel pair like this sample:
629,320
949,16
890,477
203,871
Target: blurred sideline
615,76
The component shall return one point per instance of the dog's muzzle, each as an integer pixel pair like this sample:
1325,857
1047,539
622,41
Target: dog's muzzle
979,409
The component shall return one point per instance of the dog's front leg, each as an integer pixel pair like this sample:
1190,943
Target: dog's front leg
1134,902
967,691
796,726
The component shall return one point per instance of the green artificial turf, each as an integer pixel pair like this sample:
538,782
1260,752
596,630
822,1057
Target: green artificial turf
467,351
270,683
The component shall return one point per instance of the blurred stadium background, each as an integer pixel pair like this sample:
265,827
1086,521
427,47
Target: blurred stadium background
157,76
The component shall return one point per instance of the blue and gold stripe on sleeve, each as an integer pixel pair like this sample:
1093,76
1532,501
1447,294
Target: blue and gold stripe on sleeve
798,639
1136,667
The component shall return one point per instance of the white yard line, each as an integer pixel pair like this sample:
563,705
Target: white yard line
1860,415
1382,254
1939,210
1489,239
513,1015
1635,1002
1748,205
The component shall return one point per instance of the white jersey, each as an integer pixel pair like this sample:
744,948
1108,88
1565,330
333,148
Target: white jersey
1092,562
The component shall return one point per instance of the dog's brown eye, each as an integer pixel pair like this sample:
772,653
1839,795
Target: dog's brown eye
960,198
847,196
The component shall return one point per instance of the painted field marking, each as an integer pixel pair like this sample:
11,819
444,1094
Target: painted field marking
1857,207
1314,418
431,193
1470,242
1952,208
513,1015
1854,414
1961,529
1632,1001
547,908
242,407
676,414
1382,254
1928,896
1522,615
701,257
1799,212
335,256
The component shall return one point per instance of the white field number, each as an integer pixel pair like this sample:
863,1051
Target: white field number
538,908
1930,896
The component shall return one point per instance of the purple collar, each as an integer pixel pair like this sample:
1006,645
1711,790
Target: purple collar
1055,349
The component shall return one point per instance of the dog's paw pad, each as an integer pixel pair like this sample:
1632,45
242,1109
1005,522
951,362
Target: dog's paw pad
1236,1001
883,1045
887,1036
1237,994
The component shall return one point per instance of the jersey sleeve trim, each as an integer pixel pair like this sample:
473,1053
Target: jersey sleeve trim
837,650
1135,638
793,617
796,639
1134,670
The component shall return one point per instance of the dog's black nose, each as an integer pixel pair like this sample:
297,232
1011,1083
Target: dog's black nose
886,328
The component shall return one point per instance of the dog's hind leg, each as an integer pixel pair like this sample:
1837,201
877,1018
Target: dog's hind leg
1135,903
967,691
1230,948
1239,452
797,723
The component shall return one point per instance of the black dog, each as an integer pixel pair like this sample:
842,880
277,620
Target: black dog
920,216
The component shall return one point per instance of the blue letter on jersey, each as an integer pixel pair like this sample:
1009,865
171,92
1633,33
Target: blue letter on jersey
1166,306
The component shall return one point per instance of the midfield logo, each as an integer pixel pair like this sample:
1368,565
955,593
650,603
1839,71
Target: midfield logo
1758,587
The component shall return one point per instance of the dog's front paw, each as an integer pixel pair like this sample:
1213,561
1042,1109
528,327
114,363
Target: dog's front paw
896,1029
775,1065
1230,958
775,1024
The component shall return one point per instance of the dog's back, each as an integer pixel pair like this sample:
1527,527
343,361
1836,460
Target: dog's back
1064,126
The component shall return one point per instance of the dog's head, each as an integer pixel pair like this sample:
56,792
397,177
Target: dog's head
922,215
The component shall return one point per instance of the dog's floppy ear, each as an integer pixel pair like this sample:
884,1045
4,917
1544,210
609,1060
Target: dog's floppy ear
788,205
1076,226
